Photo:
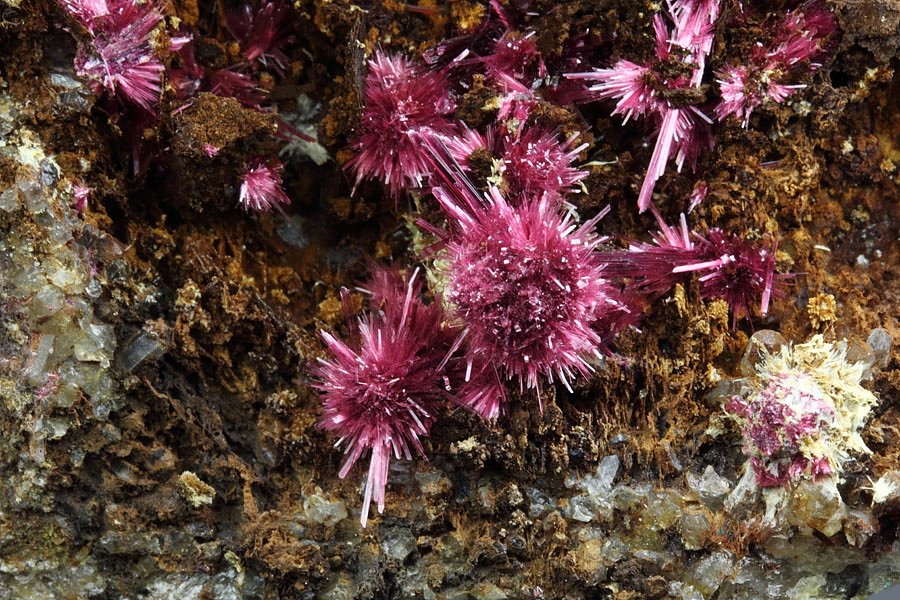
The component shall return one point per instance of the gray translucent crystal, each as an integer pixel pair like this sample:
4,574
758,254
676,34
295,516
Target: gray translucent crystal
56,427
66,394
27,271
860,353
596,502
76,100
663,509
582,508
618,439
47,301
763,342
538,503
398,544
34,374
485,494
65,81
881,342
672,454
710,486
49,172
750,582
694,529
606,474
100,408
291,231
59,232
76,457
319,509
818,505
711,571
35,201
9,200
600,483
684,591
613,550
629,498
95,382
93,289
125,472
727,389
96,345
140,348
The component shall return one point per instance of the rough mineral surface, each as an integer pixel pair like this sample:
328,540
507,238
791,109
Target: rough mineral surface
158,433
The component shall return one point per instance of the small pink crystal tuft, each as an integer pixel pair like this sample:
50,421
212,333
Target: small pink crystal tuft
515,59
402,101
535,161
261,32
803,37
261,189
740,271
120,56
631,84
81,194
381,395
646,90
744,273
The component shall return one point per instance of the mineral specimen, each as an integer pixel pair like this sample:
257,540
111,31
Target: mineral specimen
804,414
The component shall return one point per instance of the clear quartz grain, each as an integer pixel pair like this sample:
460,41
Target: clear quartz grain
762,343
881,343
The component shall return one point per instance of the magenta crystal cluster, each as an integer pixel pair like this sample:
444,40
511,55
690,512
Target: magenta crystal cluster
119,56
788,412
527,296
801,413
526,284
403,102
649,90
801,38
380,393
729,266
666,90
123,61
261,188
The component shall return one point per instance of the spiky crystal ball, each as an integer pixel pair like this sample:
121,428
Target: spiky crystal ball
528,285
